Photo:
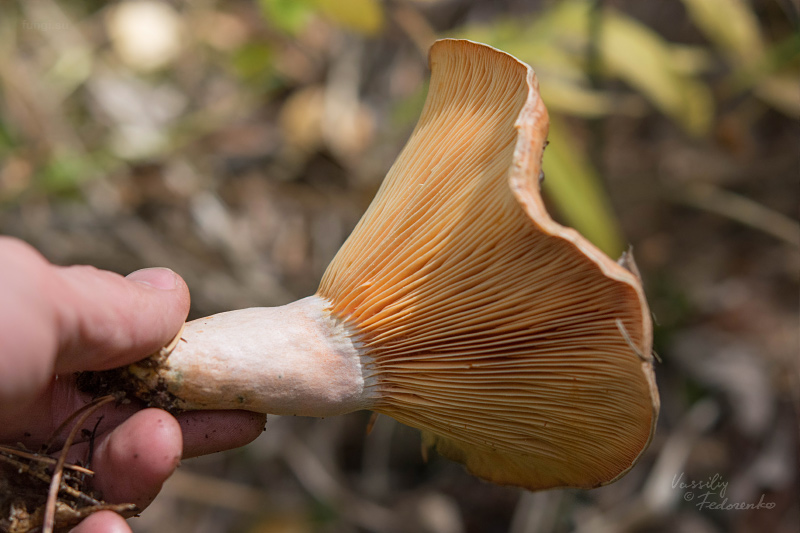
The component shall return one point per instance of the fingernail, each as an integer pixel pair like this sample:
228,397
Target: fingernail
159,278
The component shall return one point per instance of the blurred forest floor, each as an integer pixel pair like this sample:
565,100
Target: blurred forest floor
239,142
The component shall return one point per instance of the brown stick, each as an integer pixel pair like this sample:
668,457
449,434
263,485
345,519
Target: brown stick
55,482
42,459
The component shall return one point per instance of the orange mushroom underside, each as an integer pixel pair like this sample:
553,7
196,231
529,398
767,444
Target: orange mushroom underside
511,341
457,306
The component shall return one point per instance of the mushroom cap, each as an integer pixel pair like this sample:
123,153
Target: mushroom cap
517,347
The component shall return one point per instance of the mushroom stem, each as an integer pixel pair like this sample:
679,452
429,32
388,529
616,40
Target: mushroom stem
297,359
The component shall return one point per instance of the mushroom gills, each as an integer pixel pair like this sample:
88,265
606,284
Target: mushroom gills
457,306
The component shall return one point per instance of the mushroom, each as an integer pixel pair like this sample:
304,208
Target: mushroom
456,306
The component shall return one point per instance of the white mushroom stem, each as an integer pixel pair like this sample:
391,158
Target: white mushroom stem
296,359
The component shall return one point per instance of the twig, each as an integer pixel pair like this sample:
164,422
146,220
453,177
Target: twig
636,350
90,453
740,209
537,512
55,483
221,493
593,71
72,417
371,423
416,26
325,486
376,471
26,468
42,459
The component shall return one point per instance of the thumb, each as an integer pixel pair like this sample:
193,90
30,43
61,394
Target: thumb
106,320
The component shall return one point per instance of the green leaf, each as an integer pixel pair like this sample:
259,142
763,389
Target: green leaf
361,16
406,112
782,92
555,45
776,78
642,58
731,25
7,138
292,16
253,62
577,192
691,60
571,98
289,16
64,172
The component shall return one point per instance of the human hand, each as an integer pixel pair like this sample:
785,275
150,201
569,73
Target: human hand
55,321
